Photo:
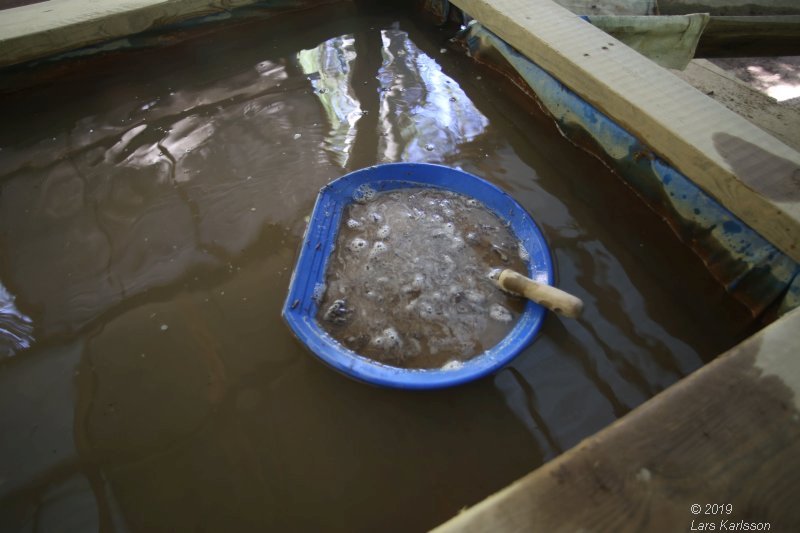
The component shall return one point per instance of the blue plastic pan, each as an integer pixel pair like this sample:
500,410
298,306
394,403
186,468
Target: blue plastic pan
308,278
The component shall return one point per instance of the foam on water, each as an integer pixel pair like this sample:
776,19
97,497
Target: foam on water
500,313
378,249
383,231
523,253
364,194
358,244
419,297
452,365
319,292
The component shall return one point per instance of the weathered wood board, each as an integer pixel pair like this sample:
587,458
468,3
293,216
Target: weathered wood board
47,28
728,434
748,171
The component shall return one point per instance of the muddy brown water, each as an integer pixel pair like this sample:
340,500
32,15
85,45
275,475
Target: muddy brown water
409,283
151,206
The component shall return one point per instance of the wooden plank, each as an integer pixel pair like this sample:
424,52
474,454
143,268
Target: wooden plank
47,28
750,37
728,434
751,173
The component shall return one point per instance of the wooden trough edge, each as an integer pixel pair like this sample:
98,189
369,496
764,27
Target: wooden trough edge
51,27
727,434
752,174
751,269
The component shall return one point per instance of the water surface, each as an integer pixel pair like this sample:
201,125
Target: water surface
151,206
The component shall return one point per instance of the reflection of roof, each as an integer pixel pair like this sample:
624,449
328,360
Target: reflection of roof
424,114
329,68
430,112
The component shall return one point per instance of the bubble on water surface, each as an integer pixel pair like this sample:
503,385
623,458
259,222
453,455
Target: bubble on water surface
363,194
388,340
358,244
500,313
426,310
379,248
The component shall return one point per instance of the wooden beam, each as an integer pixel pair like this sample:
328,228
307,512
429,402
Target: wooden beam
47,28
728,434
748,171
750,37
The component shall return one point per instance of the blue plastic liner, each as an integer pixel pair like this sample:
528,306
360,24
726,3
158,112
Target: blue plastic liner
308,279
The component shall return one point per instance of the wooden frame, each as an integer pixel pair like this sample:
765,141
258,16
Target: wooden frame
748,171
727,434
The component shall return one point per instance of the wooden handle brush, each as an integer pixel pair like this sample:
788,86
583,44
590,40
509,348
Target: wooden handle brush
556,300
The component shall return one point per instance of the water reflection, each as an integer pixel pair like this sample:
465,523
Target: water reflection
424,114
141,191
163,208
329,67
16,329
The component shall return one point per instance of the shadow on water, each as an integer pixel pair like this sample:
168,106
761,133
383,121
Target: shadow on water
151,205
